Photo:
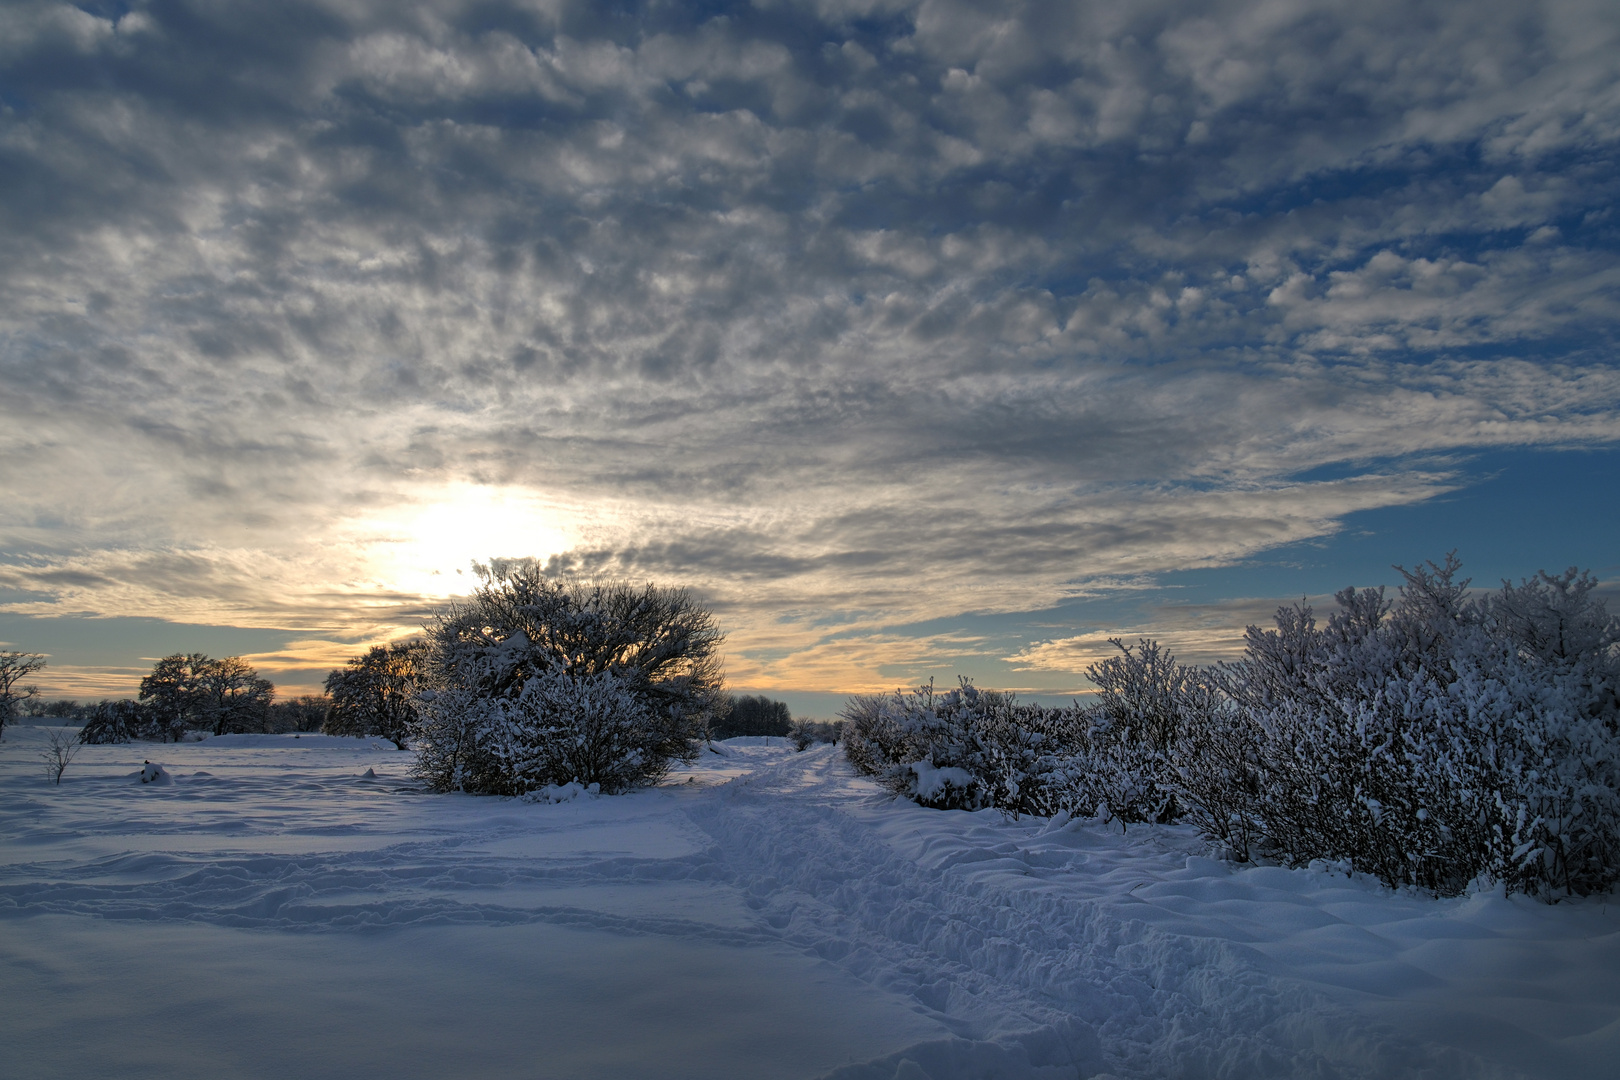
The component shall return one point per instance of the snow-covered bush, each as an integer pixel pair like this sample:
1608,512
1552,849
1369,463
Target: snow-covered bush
1126,764
536,681
1432,741
1441,738
589,728
963,749
117,722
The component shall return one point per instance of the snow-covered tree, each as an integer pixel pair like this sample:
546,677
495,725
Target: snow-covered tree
118,721
233,697
533,677
376,694
172,692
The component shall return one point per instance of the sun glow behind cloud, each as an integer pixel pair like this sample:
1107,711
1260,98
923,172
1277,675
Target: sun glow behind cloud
428,548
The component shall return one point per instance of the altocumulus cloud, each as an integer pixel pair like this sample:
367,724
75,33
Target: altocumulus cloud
844,313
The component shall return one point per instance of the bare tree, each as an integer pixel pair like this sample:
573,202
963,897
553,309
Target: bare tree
221,696
307,712
375,694
14,668
233,697
59,752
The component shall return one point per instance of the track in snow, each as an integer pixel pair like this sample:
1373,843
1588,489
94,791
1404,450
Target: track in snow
801,922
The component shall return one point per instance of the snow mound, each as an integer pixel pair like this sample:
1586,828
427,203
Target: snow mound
561,793
935,785
152,773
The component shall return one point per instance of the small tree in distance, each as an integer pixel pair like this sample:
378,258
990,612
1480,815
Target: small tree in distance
375,694
306,712
752,715
58,754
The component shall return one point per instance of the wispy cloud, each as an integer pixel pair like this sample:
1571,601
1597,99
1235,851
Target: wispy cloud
872,311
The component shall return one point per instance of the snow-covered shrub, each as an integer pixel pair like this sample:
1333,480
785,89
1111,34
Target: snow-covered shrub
963,749
1126,764
872,741
117,722
452,737
1440,738
590,729
536,681
1431,741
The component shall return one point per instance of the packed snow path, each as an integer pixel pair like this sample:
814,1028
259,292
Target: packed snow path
268,909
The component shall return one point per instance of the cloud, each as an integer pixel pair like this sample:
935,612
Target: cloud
876,311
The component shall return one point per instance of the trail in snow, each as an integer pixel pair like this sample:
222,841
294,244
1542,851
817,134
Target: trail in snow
804,922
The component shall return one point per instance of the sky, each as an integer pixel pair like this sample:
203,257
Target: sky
914,338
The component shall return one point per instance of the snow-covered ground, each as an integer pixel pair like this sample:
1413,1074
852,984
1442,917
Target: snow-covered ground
274,911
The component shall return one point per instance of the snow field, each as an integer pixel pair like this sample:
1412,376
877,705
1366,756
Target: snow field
273,911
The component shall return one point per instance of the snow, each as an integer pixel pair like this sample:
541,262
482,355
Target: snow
764,913
932,783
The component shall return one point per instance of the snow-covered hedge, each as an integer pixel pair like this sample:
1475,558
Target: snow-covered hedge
1432,741
538,682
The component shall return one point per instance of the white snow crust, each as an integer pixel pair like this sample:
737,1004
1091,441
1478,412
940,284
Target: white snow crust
765,913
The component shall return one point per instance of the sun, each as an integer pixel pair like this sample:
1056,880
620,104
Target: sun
428,548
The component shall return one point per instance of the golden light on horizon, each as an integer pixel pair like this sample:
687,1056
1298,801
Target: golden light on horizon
428,548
